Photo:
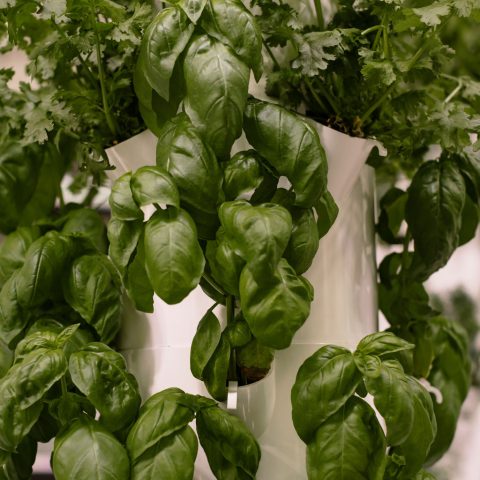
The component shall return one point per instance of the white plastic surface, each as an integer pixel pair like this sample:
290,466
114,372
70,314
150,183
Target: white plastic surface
344,310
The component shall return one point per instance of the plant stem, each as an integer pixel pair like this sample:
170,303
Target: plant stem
101,76
271,55
454,92
371,29
377,103
320,17
214,284
406,243
63,383
315,94
327,95
60,196
232,369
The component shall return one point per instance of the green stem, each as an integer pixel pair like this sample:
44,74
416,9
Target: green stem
232,369
328,96
372,29
102,78
87,202
213,284
63,383
405,252
454,92
315,95
271,55
60,197
377,103
386,47
320,17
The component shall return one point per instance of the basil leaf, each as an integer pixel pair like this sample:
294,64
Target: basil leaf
87,222
123,237
470,220
154,185
101,375
227,442
238,333
349,444
87,450
408,412
392,215
173,458
6,358
13,318
162,415
18,466
215,373
275,312
217,88
291,146
137,283
225,264
13,250
450,373
121,200
191,163
173,258
303,244
204,343
232,24
469,164
324,383
258,234
44,263
21,390
93,290
383,343
242,174
434,211
163,42
327,212
192,8
255,355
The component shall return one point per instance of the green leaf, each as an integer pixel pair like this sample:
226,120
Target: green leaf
192,8
121,200
93,291
232,24
408,412
450,373
124,238
470,220
164,41
18,466
392,215
313,56
434,213
431,15
204,343
275,312
191,163
21,390
173,458
291,146
101,375
215,373
303,244
324,383
349,444
162,415
13,250
255,355
258,234
152,185
327,211
225,264
470,167
217,88
173,258
102,456
238,333
228,444
87,222
44,263
137,283
242,174
382,343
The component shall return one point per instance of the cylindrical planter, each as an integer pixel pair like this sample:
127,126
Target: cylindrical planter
157,346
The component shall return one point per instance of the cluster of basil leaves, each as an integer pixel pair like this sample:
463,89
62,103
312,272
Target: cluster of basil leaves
60,307
220,220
